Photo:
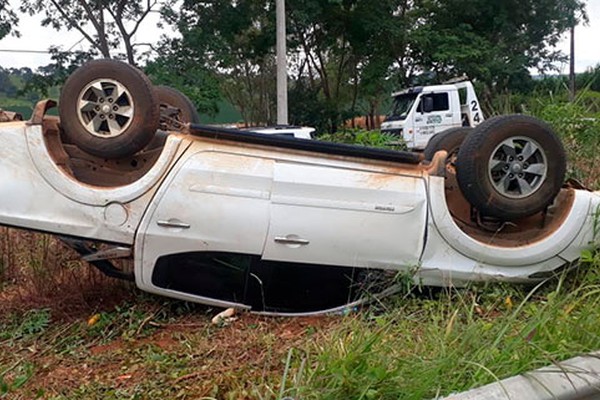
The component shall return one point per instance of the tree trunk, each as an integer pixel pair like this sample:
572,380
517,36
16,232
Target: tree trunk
572,67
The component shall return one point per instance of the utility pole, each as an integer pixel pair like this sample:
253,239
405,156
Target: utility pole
282,102
572,67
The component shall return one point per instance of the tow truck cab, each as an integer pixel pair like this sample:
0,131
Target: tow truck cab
420,112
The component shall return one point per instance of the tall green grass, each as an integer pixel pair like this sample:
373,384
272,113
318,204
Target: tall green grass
420,347
578,125
363,137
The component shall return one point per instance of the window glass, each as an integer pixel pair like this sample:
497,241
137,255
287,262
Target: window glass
440,101
462,93
402,105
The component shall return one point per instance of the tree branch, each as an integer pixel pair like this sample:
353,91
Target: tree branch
118,17
76,26
103,45
149,8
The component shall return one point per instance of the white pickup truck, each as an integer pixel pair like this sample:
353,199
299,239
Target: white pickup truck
283,225
419,113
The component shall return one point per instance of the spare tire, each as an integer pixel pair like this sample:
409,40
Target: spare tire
175,108
511,167
109,109
449,140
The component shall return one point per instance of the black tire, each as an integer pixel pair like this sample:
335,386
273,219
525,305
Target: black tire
511,167
176,108
107,126
449,140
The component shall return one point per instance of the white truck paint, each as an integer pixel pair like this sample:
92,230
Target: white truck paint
420,112
298,132
207,195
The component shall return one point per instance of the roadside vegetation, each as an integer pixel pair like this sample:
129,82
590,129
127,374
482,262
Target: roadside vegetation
95,339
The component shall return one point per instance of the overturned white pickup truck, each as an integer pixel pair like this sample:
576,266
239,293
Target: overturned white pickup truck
282,225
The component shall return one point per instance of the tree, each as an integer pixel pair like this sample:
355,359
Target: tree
8,19
495,42
192,79
346,55
54,74
104,24
233,41
7,88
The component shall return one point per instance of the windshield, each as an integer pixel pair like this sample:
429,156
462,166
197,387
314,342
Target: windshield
401,107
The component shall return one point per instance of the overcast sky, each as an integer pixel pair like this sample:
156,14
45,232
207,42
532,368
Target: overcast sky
36,37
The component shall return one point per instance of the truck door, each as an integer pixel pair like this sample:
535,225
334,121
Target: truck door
346,217
436,112
206,221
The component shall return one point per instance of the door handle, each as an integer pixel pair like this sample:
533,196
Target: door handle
291,240
173,223
449,115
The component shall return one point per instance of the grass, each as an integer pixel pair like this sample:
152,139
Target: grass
413,346
424,347
67,332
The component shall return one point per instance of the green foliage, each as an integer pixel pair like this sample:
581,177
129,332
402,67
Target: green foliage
192,79
470,337
126,321
589,79
33,322
48,78
306,107
494,42
366,138
8,19
19,378
231,44
346,56
578,125
396,349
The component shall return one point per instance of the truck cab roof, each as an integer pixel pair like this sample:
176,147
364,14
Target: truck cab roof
419,89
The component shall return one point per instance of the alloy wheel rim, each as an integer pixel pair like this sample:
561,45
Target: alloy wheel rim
105,108
518,167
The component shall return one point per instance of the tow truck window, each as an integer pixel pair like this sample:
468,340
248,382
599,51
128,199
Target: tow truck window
402,105
462,94
440,101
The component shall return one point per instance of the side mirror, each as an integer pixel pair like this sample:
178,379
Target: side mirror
427,103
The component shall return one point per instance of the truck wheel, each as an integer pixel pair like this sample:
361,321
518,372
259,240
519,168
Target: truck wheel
449,140
176,108
511,166
109,109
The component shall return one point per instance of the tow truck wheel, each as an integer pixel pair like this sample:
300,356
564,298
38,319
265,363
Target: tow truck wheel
109,109
511,167
176,109
449,140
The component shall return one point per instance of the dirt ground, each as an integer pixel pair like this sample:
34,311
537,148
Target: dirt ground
66,331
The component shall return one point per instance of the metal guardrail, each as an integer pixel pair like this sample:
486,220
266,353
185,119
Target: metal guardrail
574,379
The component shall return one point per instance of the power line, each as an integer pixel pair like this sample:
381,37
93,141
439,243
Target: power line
24,51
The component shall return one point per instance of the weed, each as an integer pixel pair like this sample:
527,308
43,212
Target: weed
13,380
578,125
366,138
469,337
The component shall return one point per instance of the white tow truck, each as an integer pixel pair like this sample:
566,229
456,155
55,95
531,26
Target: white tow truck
282,225
418,113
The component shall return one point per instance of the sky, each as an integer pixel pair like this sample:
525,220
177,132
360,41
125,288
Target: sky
36,37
